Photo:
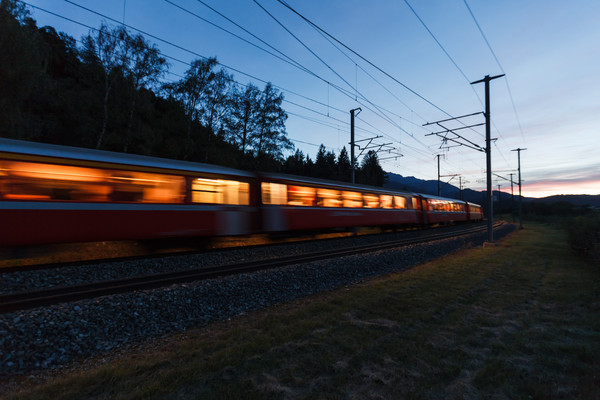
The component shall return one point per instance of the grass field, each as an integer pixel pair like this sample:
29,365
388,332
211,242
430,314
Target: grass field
517,321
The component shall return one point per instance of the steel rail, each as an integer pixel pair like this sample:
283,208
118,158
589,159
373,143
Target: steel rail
32,299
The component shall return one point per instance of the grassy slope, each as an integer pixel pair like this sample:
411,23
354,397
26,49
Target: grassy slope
521,320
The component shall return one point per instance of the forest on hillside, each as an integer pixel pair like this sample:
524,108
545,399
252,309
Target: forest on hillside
107,91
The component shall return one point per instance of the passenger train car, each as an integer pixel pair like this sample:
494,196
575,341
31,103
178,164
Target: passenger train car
60,194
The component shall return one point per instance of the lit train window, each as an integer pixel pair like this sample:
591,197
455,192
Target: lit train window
371,200
440,205
328,198
352,199
219,191
400,202
301,196
143,187
386,201
38,181
415,203
274,193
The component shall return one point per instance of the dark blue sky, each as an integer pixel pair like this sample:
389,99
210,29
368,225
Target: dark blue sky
548,102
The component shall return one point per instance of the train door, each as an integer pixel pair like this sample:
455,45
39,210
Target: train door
422,210
274,207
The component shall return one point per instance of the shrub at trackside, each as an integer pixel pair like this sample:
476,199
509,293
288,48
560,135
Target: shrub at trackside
584,235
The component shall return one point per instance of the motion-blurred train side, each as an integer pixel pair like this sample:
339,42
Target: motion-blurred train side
60,194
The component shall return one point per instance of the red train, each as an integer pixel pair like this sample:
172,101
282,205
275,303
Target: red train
59,194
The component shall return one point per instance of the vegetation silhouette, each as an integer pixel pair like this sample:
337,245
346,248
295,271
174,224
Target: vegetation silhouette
107,94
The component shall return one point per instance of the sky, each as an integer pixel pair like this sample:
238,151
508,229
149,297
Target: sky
405,64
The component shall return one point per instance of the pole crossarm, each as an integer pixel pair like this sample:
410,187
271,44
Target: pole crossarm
379,147
392,155
449,176
454,118
458,139
506,179
369,139
446,130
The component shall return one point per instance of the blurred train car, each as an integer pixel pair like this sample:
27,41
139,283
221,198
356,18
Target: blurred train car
439,210
293,203
59,194
475,212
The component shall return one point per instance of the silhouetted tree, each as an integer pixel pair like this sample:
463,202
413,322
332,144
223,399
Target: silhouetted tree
371,172
192,92
295,163
325,165
309,167
107,48
217,101
21,67
143,66
270,137
242,118
343,166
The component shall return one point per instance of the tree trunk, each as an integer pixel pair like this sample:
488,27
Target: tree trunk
130,123
105,119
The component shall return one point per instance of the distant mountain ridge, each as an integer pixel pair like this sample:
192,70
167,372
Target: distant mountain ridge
412,184
575,199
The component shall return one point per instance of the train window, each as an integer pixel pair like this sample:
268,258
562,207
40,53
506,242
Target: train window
301,196
219,191
235,192
438,205
273,193
328,198
38,181
386,201
400,202
371,200
143,187
352,199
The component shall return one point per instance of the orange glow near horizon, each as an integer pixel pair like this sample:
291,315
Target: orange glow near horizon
551,188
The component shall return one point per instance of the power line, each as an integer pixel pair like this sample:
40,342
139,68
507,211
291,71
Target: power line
295,63
382,115
230,68
362,58
500,66
174,45
283,56
380,112
383,86
441,47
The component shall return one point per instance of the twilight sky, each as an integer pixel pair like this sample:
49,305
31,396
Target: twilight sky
548,102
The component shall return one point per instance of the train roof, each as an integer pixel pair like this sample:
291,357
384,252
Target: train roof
430,196
330,183
109,157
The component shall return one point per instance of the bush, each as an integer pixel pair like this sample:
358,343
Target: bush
584,235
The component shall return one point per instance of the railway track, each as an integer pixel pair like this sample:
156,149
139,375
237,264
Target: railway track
56,295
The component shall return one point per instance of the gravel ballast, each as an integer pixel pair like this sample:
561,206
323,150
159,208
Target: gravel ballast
54,337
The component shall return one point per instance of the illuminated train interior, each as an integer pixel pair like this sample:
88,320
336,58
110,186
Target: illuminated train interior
21,180
59,194
50,182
